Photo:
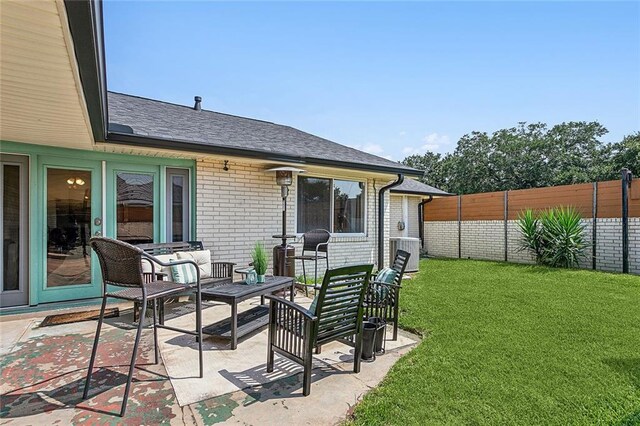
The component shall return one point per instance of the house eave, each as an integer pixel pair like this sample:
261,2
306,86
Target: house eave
202,148
425,193
86,26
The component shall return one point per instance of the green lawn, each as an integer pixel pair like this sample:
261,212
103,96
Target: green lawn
512,344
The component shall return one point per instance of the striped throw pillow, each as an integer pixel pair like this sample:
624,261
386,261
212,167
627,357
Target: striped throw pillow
387,276
184,273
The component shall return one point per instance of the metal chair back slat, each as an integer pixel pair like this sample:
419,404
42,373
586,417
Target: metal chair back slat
385,304
342,289
294,331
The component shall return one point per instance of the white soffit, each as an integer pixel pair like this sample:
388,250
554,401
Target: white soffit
41,99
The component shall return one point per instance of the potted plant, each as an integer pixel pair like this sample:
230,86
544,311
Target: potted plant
259,259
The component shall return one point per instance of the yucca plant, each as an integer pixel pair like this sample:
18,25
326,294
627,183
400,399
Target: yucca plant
563,230
554,236
531,232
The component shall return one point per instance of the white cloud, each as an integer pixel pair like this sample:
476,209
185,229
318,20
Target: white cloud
433,142
373,148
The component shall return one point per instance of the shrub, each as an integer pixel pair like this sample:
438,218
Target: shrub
554,236
259,258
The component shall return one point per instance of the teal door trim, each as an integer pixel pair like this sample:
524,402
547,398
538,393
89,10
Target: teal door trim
39,226
79,159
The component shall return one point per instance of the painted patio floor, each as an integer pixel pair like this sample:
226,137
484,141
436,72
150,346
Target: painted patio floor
43,371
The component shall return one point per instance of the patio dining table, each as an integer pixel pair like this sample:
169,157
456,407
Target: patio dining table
239,325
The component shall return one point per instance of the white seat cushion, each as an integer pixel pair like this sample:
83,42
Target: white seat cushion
165,258
202,259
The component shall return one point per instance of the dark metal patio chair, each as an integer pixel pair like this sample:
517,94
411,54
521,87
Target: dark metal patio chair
294,331
382,299
121,266
316,242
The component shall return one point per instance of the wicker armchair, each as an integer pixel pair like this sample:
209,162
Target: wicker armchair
121,266
294,331
382,299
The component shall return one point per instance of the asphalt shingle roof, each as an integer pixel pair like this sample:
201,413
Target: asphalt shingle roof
161,120
412,186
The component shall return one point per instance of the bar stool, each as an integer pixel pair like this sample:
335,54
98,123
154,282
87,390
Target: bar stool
121,266
316,242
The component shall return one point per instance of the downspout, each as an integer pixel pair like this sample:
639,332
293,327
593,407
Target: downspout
421,219
381,217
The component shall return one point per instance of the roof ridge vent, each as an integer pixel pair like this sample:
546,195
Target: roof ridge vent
198,105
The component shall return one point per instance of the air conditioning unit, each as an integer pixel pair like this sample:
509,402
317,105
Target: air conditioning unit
410,245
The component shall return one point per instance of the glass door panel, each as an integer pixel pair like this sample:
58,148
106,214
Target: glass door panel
69,213
13,233
135,207
178,202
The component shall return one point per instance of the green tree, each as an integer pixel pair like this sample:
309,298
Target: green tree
574,152
431,164
624,154
529,156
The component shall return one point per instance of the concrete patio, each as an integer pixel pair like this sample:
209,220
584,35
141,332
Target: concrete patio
43,371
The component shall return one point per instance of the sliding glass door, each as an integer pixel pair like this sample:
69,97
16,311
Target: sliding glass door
14,214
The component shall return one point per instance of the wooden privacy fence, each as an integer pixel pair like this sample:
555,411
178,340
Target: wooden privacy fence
592,200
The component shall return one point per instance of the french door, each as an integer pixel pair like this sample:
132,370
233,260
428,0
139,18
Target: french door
133,202
14,219
71,214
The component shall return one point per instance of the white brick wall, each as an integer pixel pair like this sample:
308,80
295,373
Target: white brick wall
395,215
482,239
634,245
441,238
412,225
238,207
485,240
609,245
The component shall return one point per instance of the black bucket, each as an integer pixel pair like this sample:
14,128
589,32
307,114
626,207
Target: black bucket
380,334
368,341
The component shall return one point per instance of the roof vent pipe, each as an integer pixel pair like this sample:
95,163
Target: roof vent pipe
381,218
198,105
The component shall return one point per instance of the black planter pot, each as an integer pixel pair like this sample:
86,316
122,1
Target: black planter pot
368,341
381,331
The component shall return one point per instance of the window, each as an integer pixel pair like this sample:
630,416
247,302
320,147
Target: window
348,207
332,204
178,223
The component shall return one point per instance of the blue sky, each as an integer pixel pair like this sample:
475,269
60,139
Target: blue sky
391,78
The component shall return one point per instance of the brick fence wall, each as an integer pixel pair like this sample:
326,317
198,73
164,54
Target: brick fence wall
489,230
486,239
